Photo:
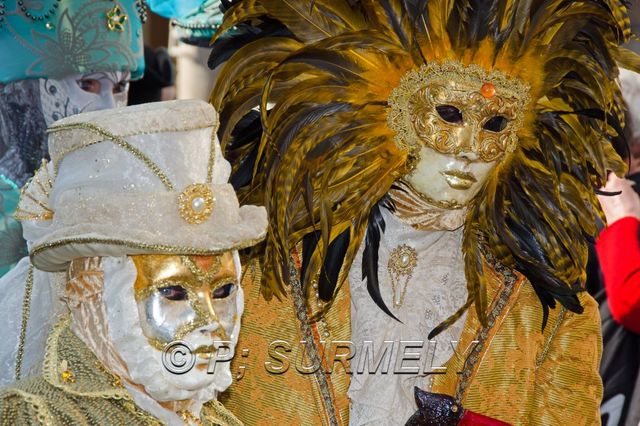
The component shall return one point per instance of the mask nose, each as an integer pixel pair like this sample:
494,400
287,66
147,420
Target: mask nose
205,302
108,100
204,307
468,135
468,156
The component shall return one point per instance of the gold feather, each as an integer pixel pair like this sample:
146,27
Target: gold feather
326,156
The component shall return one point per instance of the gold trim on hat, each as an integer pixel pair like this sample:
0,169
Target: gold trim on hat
149,248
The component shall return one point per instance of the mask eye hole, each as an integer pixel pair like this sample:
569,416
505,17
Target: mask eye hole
90,85
224,291
174,292
450,114
496,124
121,87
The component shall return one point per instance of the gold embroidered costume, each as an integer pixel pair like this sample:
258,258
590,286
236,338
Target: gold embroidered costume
83,392
546,377
502,112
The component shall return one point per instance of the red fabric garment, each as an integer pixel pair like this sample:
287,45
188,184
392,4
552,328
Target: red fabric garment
619,254
474,419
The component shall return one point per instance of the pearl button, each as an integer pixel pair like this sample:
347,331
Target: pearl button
197,204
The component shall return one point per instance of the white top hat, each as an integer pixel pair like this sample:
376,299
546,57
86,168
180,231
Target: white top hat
146,179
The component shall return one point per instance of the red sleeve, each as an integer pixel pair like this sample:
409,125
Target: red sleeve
619,253
474,419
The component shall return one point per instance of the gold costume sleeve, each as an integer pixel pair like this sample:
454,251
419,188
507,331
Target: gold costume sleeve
568,387
21,408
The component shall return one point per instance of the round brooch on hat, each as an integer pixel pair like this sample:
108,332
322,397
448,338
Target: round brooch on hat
196,203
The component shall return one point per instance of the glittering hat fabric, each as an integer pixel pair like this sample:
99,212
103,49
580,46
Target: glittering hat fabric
138,180
55,38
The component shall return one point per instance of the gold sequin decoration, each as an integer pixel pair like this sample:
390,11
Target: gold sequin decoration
66,374
196,203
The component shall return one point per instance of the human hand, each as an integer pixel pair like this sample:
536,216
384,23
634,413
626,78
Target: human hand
616,207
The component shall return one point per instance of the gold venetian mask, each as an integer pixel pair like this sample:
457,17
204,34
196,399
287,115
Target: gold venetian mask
457,123
178,295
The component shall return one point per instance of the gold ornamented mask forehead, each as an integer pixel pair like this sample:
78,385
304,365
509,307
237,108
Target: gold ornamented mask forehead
453,108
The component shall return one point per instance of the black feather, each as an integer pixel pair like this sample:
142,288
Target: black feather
395,21
246,133
416,10
306,118
309,244
481,19
375,228
230,43
332,264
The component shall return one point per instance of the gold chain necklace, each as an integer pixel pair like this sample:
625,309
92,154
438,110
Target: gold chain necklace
402,262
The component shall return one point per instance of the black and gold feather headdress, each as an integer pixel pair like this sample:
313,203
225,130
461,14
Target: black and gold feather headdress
304,101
